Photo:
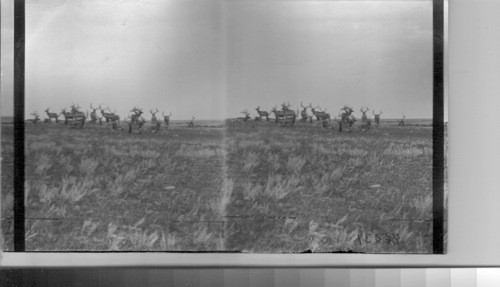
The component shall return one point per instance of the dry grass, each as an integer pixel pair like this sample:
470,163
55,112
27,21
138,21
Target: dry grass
255,188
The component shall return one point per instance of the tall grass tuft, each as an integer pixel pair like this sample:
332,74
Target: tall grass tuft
88,166
278,187
295,163
250,161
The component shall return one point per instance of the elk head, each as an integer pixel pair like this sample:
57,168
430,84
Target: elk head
153,113
364,111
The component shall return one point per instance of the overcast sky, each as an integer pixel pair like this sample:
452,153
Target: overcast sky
214,58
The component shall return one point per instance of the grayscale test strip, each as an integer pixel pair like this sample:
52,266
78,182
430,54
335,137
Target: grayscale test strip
242,277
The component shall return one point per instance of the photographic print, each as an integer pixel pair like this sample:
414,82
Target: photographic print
225,126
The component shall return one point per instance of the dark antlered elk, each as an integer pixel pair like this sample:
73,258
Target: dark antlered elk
245,118
35,120
76,117
93,114
303,113
191,123
66,115
135,120
166,119
153,116
289,115
364,118
108,116
320,115
377,117
52,115
346,118
402,121
261,114
277,114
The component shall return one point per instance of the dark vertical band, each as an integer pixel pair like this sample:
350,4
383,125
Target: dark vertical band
438,129
19,43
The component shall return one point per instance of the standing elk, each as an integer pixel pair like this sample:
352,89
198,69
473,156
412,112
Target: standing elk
346,118
191,123
320,115
303,113
261,114
166,119
52,115
402,121
76,117
135,119
364,118
377,117
93,114
245,118
108,116
153,116
277,114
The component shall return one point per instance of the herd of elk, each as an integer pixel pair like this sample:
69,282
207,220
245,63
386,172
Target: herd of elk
286,116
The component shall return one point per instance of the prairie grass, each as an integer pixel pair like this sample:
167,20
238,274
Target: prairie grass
256,188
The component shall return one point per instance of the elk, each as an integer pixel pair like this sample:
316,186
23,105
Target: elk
166,119
107,116
277,114
153,116
346,118
76,116
114,117
262,114
93,115
289,115
303,113
135,119
321,115
402,121
35,120
377,117
52,115
191,123
246,117
364,118
66,115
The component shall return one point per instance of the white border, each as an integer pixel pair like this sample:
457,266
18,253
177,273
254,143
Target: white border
474,170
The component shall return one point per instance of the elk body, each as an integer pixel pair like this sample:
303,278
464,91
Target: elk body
377,117
346,118
402,121
135,120
52,115
245,118
286,116
261,114
93,114
154,120
303,113
166,119
191,123
107,116
320,115
364,118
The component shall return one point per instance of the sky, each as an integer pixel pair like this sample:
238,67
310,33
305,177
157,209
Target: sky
214,58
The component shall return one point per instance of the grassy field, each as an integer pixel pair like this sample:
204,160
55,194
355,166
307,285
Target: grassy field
253,187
